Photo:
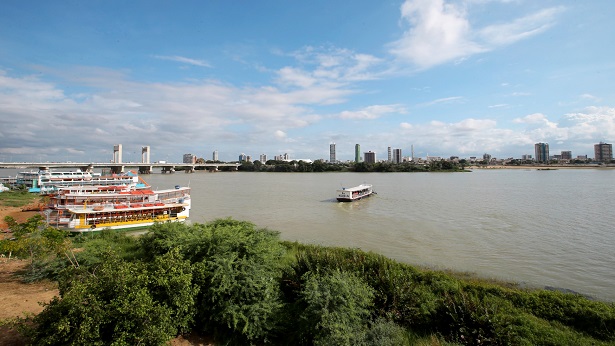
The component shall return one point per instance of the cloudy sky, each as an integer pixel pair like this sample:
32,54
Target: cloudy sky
449,77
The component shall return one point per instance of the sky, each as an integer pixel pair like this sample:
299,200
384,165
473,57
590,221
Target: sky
444,77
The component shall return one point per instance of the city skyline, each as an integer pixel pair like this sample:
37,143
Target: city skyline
450,77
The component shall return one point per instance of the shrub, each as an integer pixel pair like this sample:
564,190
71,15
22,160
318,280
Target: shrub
336,308
114,304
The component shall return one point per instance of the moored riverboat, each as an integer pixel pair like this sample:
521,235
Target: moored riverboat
355,193
47,181
88,208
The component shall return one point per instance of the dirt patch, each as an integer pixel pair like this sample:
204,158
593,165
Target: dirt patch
18,299
17,213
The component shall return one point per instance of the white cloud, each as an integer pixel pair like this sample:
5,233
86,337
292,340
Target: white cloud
536,118
331,65
451,99
280,134
440,31
373,112
589,97
469,136
184,60
520,28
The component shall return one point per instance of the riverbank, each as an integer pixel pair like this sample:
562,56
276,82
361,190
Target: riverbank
539,168
18,213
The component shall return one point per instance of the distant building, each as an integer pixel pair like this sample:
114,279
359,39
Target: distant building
566,155
603,152
263,158
189,158
486,157
370,157
389,157
396,156
541,152
332,157
243,157
215,155
582,157
357,153
117,153
145,154
526,157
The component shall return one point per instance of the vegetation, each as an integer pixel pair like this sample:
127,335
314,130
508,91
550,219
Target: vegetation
243,285
17,198
321,166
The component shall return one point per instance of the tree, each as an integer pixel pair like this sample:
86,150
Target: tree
34,240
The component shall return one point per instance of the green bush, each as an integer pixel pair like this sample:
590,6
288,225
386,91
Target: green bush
336,307
237,270
119,303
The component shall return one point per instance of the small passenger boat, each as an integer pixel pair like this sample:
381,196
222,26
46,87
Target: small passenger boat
354,193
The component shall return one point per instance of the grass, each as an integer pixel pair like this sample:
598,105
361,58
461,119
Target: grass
17,198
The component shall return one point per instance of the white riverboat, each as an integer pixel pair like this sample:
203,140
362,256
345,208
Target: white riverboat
46,181
354,193
82,209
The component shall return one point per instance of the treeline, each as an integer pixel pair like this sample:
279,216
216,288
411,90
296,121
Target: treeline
243,285
321,166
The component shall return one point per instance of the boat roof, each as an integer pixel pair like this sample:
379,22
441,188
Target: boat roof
356,188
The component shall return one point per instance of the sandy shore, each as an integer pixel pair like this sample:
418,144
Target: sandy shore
16,212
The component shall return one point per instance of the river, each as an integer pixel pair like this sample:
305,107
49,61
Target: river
538,228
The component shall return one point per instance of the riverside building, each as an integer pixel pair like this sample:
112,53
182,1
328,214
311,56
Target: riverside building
370,157
603,152
332,157
541,151
397,158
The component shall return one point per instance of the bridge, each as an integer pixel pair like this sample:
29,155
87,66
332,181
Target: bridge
144,168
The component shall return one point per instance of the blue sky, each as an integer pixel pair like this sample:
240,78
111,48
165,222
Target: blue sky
458,78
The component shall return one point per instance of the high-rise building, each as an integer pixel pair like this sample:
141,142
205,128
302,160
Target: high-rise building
263,158
389,158
603,152
189,158
357,153
541,151
117,153
396,156
486,157
332,157
215,155
243,157
370,157
145,154
566,155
